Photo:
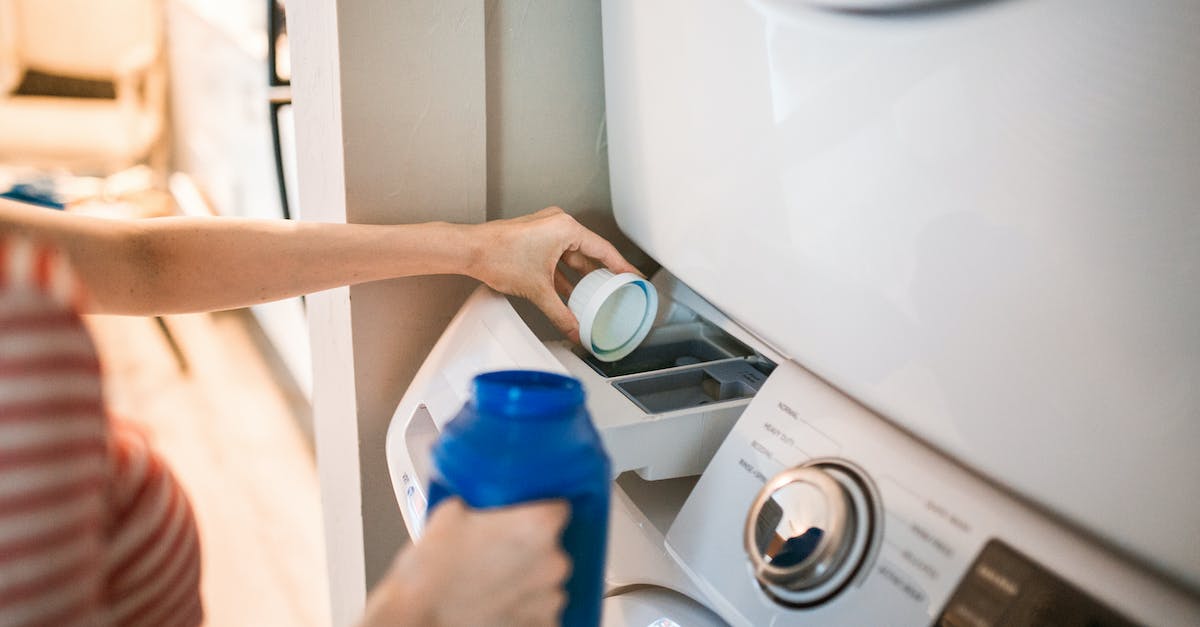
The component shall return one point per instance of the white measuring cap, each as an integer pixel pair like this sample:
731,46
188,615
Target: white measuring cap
615,312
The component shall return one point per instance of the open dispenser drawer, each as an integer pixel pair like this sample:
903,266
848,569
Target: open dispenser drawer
665,408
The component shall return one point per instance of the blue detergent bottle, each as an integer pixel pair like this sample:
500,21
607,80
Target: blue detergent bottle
525,436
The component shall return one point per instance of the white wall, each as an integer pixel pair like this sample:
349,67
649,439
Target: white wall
545,108
413,97
316,82
389,106
418,110
546,140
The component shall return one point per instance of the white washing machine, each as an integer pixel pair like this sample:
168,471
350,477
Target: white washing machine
928,350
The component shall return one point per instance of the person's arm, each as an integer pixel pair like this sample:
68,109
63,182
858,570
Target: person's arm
478,567
168,265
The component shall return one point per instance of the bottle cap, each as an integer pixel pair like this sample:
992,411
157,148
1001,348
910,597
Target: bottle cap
615,312
527,394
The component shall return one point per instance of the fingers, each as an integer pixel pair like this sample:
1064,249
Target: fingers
532,531
562,284
539,242
589,246
550,514
579,262
544,607
539,527
560,316
447,509
476,567
603,251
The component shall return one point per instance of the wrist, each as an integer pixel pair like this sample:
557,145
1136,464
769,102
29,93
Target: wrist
469,240
430,248
398,601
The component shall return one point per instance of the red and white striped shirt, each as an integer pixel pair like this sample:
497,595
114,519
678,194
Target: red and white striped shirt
94,530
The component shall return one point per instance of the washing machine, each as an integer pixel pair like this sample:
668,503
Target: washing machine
927,348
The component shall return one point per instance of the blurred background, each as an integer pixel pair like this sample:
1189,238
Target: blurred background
150,108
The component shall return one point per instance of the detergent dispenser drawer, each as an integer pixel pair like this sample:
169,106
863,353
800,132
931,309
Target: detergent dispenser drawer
692,387
663,410
673,346
685,365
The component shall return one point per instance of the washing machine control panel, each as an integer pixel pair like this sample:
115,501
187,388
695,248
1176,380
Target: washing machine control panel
1004,587
815,510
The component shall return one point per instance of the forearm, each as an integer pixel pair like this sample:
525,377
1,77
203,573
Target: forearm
197,264
167,265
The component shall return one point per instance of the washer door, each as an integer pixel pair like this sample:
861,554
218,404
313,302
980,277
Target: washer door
653,606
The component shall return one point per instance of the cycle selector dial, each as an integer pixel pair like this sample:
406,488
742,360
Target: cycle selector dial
809,530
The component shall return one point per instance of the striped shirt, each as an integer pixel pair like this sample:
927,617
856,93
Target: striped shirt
94,530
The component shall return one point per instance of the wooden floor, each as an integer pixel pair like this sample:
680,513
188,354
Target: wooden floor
233,436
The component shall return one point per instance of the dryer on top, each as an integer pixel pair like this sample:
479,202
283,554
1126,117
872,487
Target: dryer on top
978,219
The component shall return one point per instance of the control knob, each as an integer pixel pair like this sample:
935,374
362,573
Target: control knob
809,530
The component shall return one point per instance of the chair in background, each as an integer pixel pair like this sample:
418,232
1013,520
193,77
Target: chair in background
10,73
117,43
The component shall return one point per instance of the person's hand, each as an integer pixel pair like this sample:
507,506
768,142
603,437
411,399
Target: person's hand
521,256
478,567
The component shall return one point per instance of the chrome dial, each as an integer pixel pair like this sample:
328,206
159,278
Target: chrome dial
808,530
